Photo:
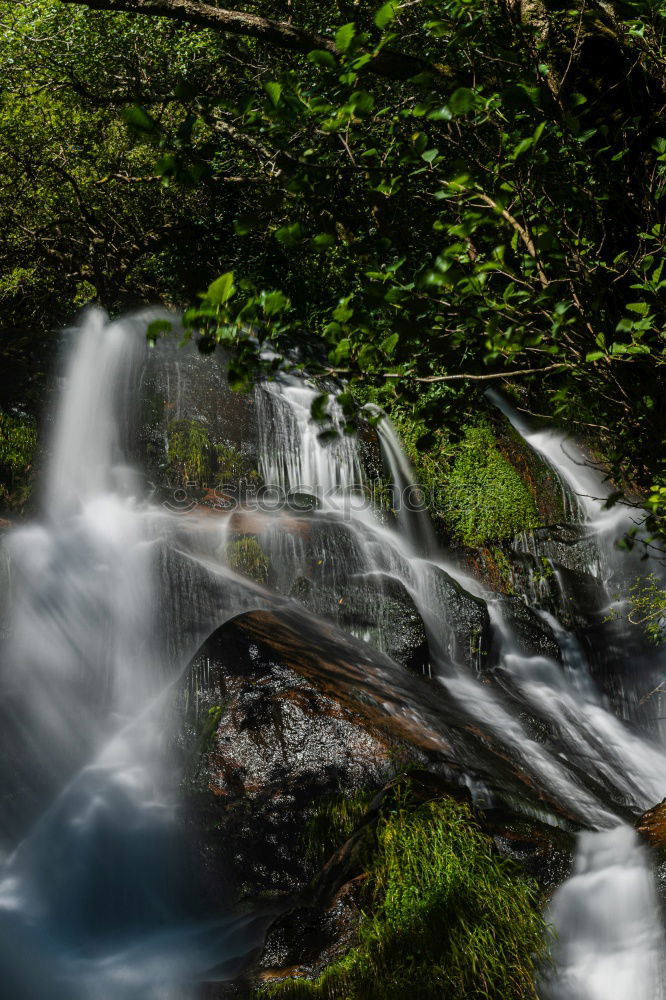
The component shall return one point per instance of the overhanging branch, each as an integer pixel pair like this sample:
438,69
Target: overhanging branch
282,34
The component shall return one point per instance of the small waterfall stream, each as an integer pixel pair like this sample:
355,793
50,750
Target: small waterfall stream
610,866
113,596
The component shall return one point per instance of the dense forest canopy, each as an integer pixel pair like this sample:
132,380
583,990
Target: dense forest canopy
426,198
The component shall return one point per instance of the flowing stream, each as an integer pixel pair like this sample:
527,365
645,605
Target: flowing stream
112,595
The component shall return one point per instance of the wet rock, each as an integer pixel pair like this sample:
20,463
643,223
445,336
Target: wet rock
276,746
530,634
467,632
542,850
378,610
652,826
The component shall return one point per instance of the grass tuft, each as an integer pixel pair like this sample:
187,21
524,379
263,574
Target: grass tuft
444,917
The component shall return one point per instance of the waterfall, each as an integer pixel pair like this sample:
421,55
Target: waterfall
114,593
293,458
608,937
610,866
93,895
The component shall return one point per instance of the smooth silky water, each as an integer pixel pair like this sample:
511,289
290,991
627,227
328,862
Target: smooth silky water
112,596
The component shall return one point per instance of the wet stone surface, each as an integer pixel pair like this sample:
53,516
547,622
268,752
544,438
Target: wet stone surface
262,746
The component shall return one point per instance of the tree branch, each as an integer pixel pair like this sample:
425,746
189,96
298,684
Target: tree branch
282,34
562,365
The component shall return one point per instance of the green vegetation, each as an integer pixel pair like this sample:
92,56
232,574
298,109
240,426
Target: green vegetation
190,452
18,443
201,744
484,499
332,822
445,917
192,457
233,467
410,195
245,555
647,601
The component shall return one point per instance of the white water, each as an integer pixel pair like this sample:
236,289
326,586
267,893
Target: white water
605,917
91,898
609,943
114,595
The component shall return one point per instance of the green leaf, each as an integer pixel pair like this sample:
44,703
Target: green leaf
238,376
274,91
443,114
275,302
289,236
323,240
320,57
244,224
595,355
341,351
461,101
346,401
157,327
138,119
385,14
641,308
343,311
221,290
362,102
389,344
367,357
344,37
319,407
522,146
430,155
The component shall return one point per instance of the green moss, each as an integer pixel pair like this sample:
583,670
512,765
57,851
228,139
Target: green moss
485,498
245,555
18,443
192,457
446,917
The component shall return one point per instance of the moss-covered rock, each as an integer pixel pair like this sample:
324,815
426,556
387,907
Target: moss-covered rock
191,455
442,913
484,498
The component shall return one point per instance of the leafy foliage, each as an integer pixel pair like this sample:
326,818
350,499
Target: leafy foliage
453,190
18,442
190,453
647,600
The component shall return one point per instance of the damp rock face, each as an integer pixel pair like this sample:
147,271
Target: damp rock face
531,636
262,746
376,609
467,623
652,826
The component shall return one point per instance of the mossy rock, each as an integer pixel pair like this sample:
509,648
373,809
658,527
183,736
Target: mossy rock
190,452
484,498
442,914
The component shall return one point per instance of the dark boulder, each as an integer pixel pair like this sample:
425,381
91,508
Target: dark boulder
375,608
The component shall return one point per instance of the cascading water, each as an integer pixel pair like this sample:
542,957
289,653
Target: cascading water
610,759
609,940
114,594
92,897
